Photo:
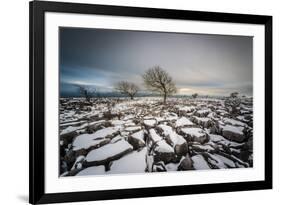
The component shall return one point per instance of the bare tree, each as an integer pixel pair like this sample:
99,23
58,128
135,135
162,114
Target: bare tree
127,88
232,103
194,95
86,92
234,95
158,80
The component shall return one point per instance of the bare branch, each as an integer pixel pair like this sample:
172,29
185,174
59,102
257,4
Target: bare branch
194,95
158,80
86,92
127,88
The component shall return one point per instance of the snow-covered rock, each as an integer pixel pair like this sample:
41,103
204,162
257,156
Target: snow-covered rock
119,132
98,138
199,163
233,122
107,153
202,148
202,112
163,151
133,162
133,128
175,140
184,110
137,139
234,133
154,136
183,121
219,161
150,123
186,164
203,121
195,134
95,170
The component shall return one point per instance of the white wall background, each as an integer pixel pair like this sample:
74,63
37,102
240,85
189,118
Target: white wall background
14,100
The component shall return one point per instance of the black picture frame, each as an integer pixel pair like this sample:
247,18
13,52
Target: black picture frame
37,11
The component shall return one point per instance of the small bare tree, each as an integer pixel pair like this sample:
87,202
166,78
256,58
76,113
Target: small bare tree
234,95
194,95
158,80
232,103
86,92
127,88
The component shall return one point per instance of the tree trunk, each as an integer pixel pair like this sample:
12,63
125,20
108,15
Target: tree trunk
132,97
165,96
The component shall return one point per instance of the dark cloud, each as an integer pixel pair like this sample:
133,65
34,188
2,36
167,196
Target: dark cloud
214,64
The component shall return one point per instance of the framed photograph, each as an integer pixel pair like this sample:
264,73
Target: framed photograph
140,102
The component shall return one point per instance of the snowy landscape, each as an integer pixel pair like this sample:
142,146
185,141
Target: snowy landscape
146,101
120,135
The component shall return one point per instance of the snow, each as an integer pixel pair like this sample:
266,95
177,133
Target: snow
203,111
149,162
128,117
217,160
216,138
87,140
105,132
225,160
109,145
212,115
133,128
172,166
72,123
199,162
108,151
159,119
131,163
95,170
183,121
175,138
78,160
129,123
194,131
150,123
202,119
221,112
207,148
139,136
233,122
155,137
163,147
234,129
74,128
117,122
221,140
117,138
242,118
169,116
186,108
71,129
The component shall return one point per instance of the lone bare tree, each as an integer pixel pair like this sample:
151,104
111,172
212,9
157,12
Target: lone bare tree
234,95
194,95
86,92
158,80
232,103
127,88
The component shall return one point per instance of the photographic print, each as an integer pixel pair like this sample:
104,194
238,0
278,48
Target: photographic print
143,101
129,102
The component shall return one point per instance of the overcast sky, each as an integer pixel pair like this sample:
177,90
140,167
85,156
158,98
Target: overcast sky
206,64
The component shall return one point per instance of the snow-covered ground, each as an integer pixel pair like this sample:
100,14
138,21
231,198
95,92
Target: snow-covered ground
119,135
